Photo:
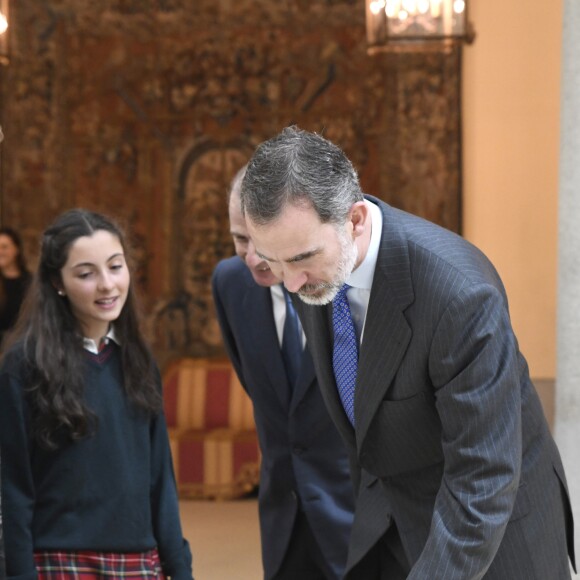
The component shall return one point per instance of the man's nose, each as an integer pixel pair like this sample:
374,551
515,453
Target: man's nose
252,259
294,280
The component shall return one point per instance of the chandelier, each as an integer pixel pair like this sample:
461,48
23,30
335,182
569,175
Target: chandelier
3,31
416,24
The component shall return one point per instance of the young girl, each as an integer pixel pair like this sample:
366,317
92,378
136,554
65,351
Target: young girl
87,483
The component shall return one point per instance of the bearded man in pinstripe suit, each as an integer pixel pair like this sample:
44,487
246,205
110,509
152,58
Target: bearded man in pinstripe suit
456,473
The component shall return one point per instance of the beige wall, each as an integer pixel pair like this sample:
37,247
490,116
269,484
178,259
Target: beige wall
511,90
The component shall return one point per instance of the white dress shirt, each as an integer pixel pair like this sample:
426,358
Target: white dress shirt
279,308
90,345
361,279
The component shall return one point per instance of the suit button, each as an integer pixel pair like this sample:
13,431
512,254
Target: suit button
298,450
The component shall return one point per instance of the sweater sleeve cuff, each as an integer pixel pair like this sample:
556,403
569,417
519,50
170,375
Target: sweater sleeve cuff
178,566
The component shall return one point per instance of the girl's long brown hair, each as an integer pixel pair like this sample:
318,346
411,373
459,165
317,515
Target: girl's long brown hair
52,342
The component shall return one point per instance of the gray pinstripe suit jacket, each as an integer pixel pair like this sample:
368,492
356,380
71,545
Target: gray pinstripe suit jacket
451,443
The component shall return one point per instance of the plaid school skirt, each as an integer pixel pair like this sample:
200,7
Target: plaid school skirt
97,565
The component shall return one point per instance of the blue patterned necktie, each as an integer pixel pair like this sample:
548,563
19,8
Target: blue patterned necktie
345,353
291,341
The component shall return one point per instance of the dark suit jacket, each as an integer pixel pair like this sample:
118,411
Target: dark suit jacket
451,443
304,462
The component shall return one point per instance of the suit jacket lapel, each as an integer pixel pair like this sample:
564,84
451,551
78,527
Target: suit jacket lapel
257,306
387,332
305,379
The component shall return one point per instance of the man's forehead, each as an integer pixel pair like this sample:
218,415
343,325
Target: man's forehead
296,230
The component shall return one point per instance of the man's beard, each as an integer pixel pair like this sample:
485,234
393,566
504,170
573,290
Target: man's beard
323,293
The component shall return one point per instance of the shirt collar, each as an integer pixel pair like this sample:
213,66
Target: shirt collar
90,345
362,277
277,290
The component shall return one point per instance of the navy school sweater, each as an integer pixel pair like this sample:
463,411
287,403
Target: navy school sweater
113,491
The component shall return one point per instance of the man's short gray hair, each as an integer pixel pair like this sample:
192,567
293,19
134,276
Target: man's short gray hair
299,167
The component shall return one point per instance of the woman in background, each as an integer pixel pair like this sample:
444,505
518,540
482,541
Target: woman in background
14,278
87,480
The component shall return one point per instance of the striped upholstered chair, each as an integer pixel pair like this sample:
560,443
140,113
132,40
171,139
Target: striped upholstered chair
211,429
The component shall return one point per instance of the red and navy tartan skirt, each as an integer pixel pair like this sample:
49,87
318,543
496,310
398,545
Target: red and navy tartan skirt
54,565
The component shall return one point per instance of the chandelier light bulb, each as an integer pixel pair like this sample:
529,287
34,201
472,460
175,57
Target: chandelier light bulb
410,6
376,6
423,6
392,8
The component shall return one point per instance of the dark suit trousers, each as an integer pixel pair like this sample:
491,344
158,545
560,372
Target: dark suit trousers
385,561
303,559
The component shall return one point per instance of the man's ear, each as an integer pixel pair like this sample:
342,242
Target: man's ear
358,216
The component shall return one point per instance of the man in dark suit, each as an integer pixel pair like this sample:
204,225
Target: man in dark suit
456,473
306,500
